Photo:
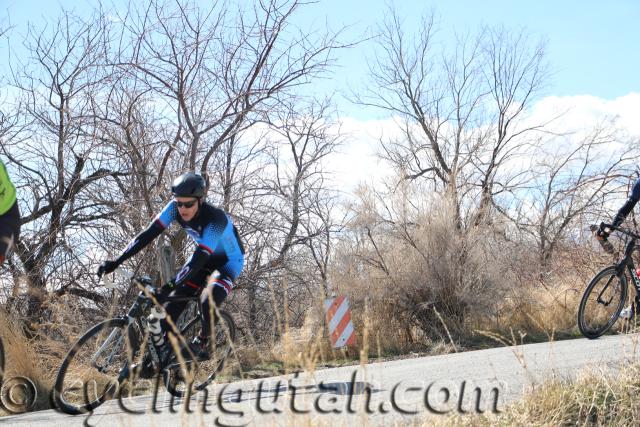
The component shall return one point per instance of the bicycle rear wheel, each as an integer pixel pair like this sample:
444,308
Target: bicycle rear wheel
602,303
186,371
96,365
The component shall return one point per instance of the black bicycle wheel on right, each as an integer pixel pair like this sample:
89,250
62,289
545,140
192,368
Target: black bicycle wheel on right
602,303
199,373
96,366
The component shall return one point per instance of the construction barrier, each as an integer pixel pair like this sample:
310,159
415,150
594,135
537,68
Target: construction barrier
338,317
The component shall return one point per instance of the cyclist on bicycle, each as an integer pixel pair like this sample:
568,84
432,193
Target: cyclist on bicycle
9,214
603,232
218,248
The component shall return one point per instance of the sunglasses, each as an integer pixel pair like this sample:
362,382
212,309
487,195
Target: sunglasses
187,205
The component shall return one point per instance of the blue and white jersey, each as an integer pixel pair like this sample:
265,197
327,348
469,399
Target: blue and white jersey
211,229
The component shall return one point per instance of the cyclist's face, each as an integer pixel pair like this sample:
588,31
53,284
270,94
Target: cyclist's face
187,207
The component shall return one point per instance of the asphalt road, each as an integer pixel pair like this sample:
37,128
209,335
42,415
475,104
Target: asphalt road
374,394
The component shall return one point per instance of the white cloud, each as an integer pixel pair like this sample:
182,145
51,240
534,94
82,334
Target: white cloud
357,161
582,112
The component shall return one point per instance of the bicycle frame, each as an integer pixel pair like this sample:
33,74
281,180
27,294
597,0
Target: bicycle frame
126,352
114,352
627,262
136,315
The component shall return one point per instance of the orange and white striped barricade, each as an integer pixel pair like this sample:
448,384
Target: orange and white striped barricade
338,317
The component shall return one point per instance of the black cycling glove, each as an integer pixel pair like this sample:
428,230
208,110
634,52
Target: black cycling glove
106,268
166,289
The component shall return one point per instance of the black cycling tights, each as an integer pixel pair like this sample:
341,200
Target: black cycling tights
212,292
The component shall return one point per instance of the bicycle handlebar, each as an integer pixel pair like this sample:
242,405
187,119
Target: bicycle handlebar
606,244
617,228
146,288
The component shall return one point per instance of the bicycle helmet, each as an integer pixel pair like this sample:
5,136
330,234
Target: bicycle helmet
188,185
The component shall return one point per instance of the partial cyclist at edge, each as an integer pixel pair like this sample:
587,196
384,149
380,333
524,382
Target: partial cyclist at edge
9,214
603,232
218,247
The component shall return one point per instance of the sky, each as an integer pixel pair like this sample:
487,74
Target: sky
593,45
592,48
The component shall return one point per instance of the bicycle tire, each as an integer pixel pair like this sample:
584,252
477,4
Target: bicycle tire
614,286
105,338
201,373
1,363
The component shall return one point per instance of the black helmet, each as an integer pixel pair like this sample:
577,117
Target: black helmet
188,185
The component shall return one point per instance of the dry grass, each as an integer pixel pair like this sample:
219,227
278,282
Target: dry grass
302,348
429,282
22,361
538,310
306,348
429,286
595,398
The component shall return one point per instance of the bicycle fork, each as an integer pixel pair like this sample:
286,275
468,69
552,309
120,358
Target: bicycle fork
113,337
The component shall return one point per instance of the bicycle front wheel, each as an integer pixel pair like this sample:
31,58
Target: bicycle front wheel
186,371
96,365
602,303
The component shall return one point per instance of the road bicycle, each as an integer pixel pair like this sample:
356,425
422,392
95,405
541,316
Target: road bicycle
112,356
606,294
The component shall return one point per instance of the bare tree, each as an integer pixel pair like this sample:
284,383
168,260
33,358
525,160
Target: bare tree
287,222
569,181
60,166
460,112
515,75
214,68
214,74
